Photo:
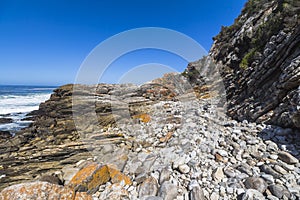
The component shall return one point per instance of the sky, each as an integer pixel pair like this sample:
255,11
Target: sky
44,42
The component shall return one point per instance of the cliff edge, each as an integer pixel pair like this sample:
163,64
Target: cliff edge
260,59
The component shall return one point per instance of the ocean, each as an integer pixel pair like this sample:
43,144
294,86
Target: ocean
17,101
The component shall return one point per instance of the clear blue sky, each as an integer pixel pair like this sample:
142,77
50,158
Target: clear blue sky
43,42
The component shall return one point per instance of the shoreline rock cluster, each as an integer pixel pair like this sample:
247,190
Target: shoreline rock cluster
183,150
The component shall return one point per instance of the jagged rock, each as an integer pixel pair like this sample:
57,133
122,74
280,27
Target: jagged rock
178,162
164,175
149,187
218,174
168,191
69,173
41,190
91,176
114,192
196,193
116,176
219,158
141,178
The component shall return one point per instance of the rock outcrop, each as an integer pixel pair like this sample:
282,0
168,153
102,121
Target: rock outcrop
260,59
53,141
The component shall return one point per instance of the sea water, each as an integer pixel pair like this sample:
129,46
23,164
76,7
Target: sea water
17,101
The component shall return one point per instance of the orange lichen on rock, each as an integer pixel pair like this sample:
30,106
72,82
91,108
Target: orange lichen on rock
172,95
167,137
143,117
41,190
205,96
82,196
204,88
220,158
90,177
83,174
99,177
164,91
117,177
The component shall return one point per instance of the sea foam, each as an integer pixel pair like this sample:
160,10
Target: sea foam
21,104
17,101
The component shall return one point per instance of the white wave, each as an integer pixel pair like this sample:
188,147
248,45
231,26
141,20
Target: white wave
21,104
34,89
13,127
9,126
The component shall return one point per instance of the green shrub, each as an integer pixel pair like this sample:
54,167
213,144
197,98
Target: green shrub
247,59
266,30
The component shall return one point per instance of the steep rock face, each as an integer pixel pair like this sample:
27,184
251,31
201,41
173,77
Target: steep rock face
260,62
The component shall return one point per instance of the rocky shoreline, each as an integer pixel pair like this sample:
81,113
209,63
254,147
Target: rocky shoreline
180,137
173,150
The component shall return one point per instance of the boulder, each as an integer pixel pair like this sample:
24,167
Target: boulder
256,183
41,190
93,175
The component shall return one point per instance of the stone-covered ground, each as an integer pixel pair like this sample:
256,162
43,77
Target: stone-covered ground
175,148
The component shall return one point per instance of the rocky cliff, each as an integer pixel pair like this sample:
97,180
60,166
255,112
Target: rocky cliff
259,57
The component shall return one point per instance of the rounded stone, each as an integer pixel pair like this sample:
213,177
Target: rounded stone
184,169
256,183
